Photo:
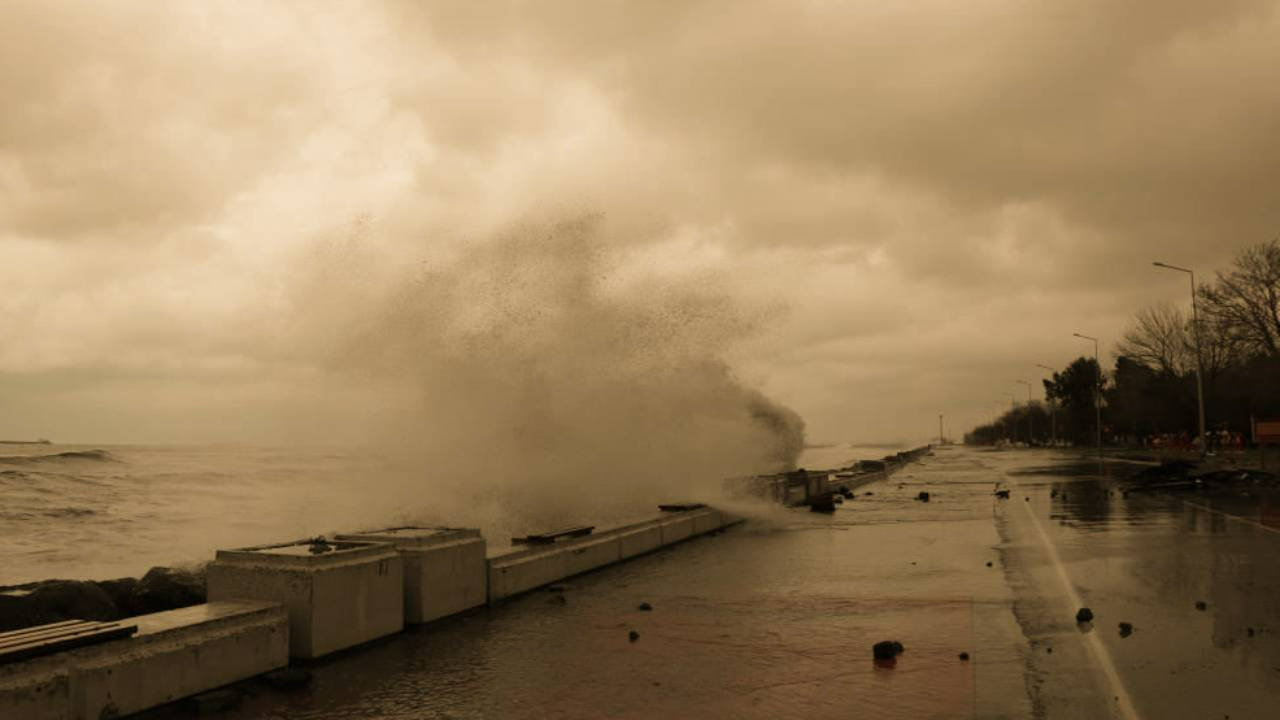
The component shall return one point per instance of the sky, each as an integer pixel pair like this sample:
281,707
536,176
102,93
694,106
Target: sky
228,222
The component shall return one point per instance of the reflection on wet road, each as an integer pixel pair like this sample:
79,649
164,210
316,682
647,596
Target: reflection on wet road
776,618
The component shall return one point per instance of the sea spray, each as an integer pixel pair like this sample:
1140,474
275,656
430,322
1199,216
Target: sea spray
532,378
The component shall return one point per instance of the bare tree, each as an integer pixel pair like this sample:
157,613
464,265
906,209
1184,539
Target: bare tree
1159,337
1245,300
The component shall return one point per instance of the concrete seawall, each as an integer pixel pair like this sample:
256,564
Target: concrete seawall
275,602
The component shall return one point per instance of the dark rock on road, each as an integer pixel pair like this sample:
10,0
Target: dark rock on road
1084,615
887,649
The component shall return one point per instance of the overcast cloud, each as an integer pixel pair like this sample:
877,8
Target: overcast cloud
890,210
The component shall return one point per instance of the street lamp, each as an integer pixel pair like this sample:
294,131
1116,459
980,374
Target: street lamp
1031,434
1097,391
1053,411
1195,328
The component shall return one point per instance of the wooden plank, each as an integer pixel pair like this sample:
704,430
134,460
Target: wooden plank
48,645
38,629
554,535
76,629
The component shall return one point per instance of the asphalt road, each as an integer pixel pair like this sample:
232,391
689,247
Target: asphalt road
776,618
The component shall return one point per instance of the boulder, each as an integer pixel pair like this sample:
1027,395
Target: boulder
923,496
121,592
1126,629
1084,615
54,601
164,588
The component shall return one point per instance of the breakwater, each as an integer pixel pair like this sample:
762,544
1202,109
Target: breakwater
807,487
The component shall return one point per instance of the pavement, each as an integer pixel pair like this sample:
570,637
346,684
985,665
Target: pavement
777,617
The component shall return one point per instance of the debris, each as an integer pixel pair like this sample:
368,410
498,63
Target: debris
1249,631
645,606
887,649
988,563
555,588
923,496
1084,615
1002,494
1064,497
1048,651
557,600
868,493
1126,629
1201,605
633,636
1053,493
964,656
1027,499
837,499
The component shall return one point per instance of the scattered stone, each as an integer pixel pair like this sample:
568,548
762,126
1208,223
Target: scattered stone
887,649
1002,494
1126,629
988,563
633,636
1053,493
1249,631
557,600
1048,651
868,493
837,499
1064,497
555,588
824,504
287,679
1201,605
922,496
964,656
1027,499
645,606
1084,615
121,592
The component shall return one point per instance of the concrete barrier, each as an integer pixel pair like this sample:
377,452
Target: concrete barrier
517,571
345,596
444,569
175,654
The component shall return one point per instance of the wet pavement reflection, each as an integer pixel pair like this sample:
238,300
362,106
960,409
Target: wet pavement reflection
777,617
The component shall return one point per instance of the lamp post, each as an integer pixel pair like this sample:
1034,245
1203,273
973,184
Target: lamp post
1195,329
1053,411
1031,433
1097,391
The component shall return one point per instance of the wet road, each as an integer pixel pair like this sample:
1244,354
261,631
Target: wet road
776,617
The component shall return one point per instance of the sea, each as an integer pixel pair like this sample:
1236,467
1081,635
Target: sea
106,511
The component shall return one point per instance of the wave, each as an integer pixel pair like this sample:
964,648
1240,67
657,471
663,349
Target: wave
69,455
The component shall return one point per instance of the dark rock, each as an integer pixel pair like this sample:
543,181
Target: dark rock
1053,493
121,592
215,701
646,606
287,679
557,600
823,504
1201,605
633,636
922,496
1002,494
1249,631
555,588
988,563
1048,651
165,588
1084,615
1027,499
1064,497
1126,629
837,499
964,656
886,649
868,493
54,601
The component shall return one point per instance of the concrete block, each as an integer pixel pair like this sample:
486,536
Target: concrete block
348,595
175,654
591,553
444,569
705,521
522,571
638,540
676,528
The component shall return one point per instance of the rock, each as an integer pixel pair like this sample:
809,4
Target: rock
837,499
287,679
823,503
215,701
868,493
1048,651
645,606
165,588
633,636
1064,497
557,600
555,588
1002,494
1126,629
922,496
964,656
121,592
1053,493
886,649
988,563
1201,605
1084,615
54,601
1249,631
1027,499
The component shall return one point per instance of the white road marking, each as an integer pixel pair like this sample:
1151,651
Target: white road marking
1237,518
1124,706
